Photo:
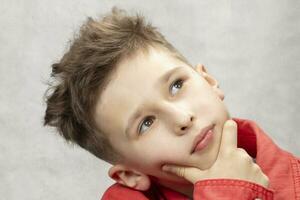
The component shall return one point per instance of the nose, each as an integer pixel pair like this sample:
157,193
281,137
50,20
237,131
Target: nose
179,118
184,126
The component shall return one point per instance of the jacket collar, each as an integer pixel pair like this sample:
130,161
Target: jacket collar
275,162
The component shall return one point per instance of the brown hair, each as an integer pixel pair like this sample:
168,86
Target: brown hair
84,71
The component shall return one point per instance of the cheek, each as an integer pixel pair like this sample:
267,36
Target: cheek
162,152
208,103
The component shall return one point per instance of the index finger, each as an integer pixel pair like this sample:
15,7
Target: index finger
229,136
191,174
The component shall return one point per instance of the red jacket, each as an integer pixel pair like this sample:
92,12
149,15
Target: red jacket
282,168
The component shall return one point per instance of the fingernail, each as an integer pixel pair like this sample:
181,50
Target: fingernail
231,123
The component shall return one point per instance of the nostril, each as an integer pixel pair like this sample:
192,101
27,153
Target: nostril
192,118
183,128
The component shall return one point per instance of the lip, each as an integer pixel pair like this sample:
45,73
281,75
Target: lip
201,135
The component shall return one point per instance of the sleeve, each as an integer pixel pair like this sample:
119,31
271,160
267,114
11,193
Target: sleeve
296,175
230,189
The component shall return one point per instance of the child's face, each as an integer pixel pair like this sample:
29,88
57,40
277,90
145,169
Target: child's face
157,136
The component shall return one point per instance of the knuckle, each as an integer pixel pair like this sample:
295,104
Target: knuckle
243,153
181,172
241,150
248,160
266,178
256,167
266,181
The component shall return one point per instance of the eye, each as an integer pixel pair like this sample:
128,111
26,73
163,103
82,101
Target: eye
148,123
178,84
149,120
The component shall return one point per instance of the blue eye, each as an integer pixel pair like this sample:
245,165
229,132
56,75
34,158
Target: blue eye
147,124
178,83
178,86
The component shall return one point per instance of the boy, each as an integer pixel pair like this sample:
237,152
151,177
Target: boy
121,73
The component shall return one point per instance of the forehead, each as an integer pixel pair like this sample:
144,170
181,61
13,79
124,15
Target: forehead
132,83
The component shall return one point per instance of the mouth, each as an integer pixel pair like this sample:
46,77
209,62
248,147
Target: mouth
203,138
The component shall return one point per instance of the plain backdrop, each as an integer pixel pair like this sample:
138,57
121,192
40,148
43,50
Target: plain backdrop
251,47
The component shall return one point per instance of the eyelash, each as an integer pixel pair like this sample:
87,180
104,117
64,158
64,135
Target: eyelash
172,84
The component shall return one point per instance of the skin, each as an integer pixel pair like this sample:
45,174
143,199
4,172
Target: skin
176,113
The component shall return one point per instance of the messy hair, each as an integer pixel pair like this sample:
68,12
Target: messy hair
84,71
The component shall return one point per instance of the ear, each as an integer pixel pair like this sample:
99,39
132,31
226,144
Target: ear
210,79
129,177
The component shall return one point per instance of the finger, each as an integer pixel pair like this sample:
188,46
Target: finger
229,136
189,173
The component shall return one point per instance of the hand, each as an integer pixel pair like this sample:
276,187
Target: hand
231,163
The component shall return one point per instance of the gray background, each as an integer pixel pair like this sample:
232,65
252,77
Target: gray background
251,47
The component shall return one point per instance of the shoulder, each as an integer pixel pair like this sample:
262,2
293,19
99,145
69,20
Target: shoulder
118,191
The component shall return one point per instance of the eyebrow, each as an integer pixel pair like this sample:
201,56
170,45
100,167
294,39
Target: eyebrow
163,79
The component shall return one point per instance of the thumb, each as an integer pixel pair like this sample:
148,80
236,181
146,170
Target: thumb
191,174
